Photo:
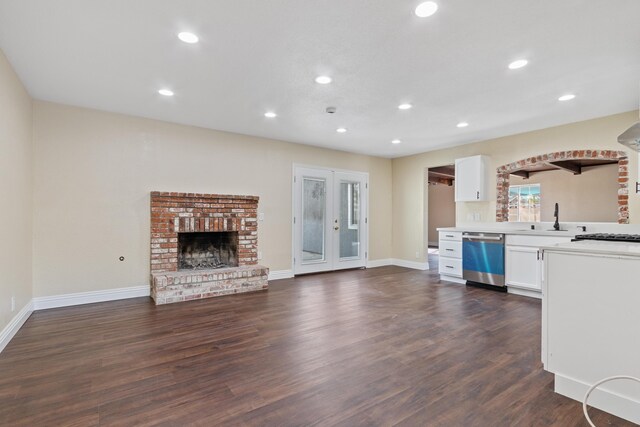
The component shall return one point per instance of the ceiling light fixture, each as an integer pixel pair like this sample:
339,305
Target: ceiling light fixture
426,9
518,64
396,141
323,80
567,97
188,37
405,106
462,124
341,130
166,92
270,114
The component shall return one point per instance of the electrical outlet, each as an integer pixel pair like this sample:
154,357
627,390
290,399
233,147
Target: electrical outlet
261,216
13,303
259,255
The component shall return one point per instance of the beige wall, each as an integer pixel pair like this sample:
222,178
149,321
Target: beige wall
94,171
15,192
409,231
441,209
589,197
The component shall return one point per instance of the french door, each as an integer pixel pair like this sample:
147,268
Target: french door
330,224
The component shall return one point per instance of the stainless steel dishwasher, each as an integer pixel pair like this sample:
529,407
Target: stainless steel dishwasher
483,258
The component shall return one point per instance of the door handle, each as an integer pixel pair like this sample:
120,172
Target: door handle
336,228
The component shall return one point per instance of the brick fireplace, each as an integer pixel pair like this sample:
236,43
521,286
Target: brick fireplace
204,245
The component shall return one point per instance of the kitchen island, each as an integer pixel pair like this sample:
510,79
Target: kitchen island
591,322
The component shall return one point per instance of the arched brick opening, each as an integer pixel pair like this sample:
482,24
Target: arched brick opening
504,174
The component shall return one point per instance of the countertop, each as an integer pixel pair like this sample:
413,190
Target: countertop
524,232
597,247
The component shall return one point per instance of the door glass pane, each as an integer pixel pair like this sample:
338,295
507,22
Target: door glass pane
349,219
313,219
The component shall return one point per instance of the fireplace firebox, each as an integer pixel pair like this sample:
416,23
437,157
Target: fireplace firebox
207,250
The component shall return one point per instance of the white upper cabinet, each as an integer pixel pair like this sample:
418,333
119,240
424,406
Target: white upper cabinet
471,179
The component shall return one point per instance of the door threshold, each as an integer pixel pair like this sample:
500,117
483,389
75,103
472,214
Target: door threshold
328,271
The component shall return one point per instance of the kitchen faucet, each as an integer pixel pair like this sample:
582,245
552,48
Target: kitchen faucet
556,225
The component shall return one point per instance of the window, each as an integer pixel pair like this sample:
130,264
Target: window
353,204
524,203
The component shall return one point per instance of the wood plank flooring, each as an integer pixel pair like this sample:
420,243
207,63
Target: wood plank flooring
377,347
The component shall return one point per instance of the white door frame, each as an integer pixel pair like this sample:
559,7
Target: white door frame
364,236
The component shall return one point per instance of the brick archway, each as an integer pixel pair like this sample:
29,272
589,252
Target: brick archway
504,173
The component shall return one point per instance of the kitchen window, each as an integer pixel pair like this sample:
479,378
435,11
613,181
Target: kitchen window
524,203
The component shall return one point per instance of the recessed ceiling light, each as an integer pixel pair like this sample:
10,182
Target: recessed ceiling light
188,37
165,92
405,106
518,64
270,114
341,130
396,141
462,124
323,80
426,9
567,97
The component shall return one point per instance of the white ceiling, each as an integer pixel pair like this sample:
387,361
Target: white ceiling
259,55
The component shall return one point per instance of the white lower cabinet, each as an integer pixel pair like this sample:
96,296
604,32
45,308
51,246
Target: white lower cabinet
523,262
450,267
523,267
450,260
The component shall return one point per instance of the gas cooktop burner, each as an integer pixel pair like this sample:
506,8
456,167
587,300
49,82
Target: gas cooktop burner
610,237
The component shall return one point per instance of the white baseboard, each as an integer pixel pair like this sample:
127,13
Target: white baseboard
15,324
411,264
608,401
457,280
379,262
524,292
55,301
280,274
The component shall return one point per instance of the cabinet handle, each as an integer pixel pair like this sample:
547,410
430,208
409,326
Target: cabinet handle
450,250
538,255
448,235
477,195
448,266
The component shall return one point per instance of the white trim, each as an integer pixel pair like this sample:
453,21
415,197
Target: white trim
457,280
280,274
525,293
55,301
15,324
608,401
379,263
411,264
308,166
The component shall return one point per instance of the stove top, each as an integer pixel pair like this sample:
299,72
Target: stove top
629,238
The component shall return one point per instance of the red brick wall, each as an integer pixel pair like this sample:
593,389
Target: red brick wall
504,172
173,213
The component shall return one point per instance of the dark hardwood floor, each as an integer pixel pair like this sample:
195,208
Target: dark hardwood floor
384,346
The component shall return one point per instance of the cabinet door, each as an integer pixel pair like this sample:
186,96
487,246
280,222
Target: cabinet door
523,267
470,179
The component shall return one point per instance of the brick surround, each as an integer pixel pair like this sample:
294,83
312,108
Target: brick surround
504,173
173,213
